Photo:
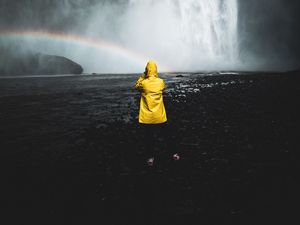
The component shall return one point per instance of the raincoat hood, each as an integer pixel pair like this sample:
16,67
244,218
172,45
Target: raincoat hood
151,69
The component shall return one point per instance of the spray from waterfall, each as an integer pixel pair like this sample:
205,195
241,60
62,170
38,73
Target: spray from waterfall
209,30
187,35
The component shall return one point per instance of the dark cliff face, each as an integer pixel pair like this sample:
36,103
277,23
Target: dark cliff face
50,64
270,29
37,64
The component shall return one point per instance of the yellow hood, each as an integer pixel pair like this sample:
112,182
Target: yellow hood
151,69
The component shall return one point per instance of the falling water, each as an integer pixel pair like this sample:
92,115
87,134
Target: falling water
210,27
192,34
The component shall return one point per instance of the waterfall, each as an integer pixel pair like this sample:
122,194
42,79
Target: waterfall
210,27
192,33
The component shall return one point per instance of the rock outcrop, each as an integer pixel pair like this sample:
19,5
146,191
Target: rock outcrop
36,64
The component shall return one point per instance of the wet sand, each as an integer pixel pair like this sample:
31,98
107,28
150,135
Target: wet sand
72,151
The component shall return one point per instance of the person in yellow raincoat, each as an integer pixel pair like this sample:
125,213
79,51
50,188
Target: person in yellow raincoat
152,112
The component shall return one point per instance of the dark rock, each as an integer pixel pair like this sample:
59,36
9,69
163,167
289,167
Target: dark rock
179,75
30,63
50,64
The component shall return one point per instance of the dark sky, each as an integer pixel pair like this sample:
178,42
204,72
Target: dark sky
268,29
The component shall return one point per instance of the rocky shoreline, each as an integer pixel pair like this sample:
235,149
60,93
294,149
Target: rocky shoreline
238,140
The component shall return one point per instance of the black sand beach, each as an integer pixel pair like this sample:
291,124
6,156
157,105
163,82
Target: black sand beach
72,151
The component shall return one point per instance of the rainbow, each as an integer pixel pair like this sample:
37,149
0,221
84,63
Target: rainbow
46,35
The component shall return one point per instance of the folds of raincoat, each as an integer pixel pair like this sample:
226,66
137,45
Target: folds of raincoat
152,109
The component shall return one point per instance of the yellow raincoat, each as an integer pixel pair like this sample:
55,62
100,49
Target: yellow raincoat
152,109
